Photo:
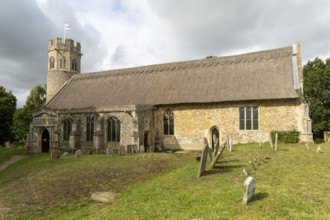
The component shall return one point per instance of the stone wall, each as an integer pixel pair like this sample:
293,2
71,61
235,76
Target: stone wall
193,122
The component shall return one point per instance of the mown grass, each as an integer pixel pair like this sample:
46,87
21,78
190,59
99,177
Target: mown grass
6,154
293,184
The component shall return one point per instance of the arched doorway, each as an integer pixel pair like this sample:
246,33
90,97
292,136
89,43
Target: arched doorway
45,141
215,134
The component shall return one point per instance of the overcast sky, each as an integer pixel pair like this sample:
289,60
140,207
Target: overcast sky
117,34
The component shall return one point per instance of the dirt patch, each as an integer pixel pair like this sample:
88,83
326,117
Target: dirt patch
12,160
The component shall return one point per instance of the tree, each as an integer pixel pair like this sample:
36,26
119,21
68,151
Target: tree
23,116
317,94
7,109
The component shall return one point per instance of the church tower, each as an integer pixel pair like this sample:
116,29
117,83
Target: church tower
63,63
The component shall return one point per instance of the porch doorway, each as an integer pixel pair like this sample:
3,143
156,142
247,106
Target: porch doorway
215,135
146,141
45,141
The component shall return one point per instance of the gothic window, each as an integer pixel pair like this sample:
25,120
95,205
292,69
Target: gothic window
168,123
66,130
89,128
51,63
74,64
61,66
64,63
113,130
248,118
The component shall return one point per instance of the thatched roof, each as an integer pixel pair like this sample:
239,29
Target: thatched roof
262,75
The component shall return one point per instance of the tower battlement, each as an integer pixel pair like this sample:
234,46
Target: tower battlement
69,44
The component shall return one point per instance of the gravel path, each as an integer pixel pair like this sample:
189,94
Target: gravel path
12,160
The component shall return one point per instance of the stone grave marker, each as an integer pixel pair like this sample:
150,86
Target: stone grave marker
103,196
318,150
78,154
216,147
206,143
276,137
135,148
55,154
129,149
202,165
255,161
271,141
246,173
8,144
260,144
307,146
249,189
109,151
142,149
65,154
121,150
230,145
216,158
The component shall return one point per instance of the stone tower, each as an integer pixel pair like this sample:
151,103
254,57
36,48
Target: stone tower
63,63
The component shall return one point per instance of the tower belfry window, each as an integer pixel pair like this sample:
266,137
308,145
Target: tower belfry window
74,64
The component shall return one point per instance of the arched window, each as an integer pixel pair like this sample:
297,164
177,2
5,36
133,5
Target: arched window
168,122
74,64
113,130
64,63
89,128
61,63
66,130
51,63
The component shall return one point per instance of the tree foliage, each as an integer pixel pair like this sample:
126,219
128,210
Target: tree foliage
317,94
23,116
7,109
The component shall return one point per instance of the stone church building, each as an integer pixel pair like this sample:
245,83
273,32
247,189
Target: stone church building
173,104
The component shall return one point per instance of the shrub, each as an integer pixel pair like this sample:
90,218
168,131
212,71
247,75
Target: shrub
286,136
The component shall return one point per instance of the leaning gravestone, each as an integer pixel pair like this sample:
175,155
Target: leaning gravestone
55,154
216,158
202,165
78,154
206,143
109,151
249,189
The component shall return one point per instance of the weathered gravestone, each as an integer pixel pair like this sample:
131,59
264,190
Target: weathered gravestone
55,154
109,151
8,144
202,165
271,141
65,154
129,149
249,189
246,173
276,137
78,154
206,143
121,150
307,147
216,158
230,145
142,150
318,150
253,167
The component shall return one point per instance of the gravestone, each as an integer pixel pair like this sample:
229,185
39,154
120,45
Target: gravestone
206,143
55,154
260,144
121,150
318,150
271,141
230,145
65,154
216,158
276,137
8,144
135,148
78,154
246,173
152,149
307,146
142,149
109,151
216,147
129,149
249,189
202,165
255,161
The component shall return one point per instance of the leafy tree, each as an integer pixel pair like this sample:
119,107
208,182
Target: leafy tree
23,116
317,94
7,109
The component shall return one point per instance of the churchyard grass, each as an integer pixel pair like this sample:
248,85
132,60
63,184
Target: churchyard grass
293,184
6,154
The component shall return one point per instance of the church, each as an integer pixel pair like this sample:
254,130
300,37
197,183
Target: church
174,105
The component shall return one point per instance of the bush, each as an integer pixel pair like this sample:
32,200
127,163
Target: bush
286,136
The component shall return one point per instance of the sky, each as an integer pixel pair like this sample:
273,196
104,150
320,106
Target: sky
128,33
